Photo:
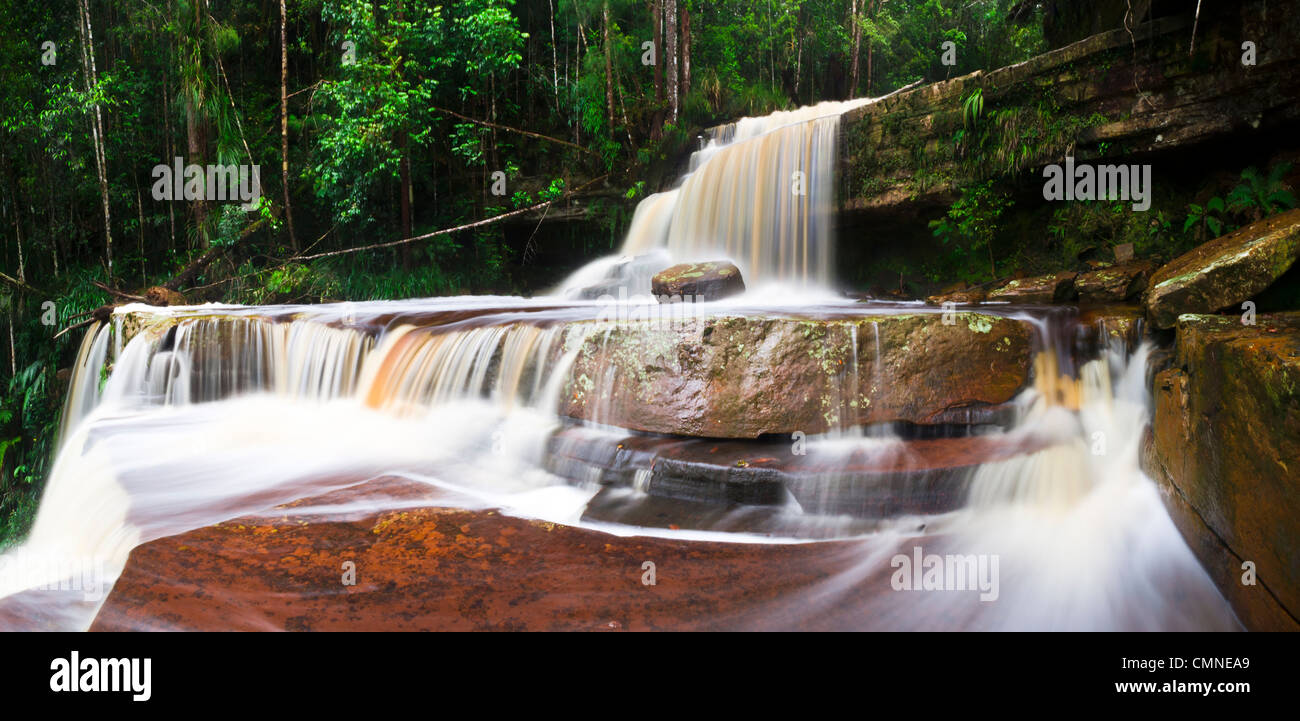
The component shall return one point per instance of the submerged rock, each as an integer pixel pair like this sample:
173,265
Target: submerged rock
1225,271
705,281
742,377
1115,284
1225,444
1051,288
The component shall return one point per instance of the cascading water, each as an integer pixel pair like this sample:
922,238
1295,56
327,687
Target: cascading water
761,192
213,413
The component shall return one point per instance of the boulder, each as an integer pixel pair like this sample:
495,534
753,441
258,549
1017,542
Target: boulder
1051,288
1225,271
963,296
1115,284
705,281
159,295
742,377
1225,447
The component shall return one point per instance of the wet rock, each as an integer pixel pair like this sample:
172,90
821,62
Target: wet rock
963,296
158,295
1119,327
1225,271
704,281
1225,445
1051,288
1115,284
742,377
1124,253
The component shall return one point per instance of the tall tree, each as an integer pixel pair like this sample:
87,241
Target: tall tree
284,127
686,50
97,123
609,74
856,24
670,52
657,19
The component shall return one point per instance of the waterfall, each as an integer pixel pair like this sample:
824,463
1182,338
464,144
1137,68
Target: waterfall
761,192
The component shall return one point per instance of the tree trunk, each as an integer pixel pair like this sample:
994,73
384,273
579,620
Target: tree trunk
609,76
656,13
670,51
857,48
96,125
555,61
871,12
686,51
284,128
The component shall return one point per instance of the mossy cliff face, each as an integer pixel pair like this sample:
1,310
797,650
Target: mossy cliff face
1105,98
739,377
1225,445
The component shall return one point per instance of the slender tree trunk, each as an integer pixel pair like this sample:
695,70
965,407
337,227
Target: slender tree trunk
196,138
656,13
686,51
96,125
168,153
18,239
857,48
284,128
139,209
670,49
609,75
871,13
13,355
555,61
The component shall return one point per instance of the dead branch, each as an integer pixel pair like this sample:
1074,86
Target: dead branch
509,129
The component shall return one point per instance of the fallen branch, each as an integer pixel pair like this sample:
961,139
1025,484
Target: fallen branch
198,264
445,231
509,129
118,293
82,324
22,285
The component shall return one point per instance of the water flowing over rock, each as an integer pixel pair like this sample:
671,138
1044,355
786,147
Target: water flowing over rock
1225,271
1225,446
700,281
742,377
760,192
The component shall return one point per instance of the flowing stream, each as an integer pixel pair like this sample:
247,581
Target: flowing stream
211,413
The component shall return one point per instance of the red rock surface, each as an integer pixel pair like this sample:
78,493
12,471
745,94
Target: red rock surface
438,568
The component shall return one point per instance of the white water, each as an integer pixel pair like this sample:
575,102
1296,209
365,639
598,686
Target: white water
237,413
761,193
237,410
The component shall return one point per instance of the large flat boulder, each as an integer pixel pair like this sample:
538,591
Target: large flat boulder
742,377
1115,284
1051,288
1225,271
1225,445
